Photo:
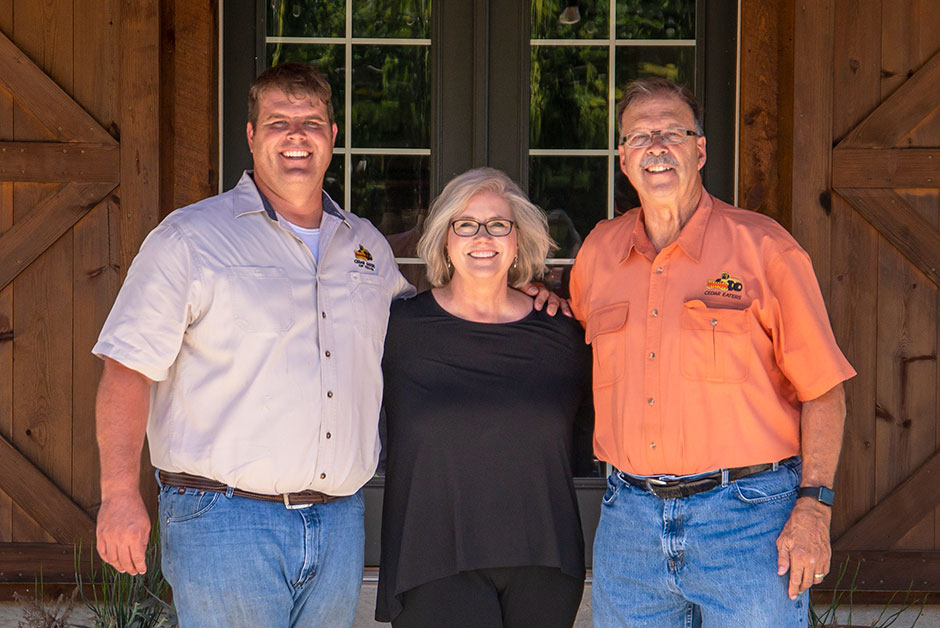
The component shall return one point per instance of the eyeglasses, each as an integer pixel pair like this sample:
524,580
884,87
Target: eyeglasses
640,139
466,228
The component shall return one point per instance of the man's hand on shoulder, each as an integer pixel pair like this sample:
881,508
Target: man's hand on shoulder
803,546
547,299
123,533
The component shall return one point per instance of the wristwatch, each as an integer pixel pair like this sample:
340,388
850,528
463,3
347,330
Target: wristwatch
821,494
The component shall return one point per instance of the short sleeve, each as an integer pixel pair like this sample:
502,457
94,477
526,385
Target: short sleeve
154,307
804,346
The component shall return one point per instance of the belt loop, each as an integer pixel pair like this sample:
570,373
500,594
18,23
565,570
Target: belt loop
776,466
156,473
724,477
229,491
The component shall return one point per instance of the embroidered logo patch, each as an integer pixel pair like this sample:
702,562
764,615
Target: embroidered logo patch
363,258
724,286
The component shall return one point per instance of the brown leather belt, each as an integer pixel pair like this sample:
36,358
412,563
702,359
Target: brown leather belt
292,501
665,487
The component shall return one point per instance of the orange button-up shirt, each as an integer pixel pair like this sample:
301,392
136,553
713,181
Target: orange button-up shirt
704,351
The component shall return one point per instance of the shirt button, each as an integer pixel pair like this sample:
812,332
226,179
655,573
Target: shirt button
329,394
651,401
322,476
655,312
328,436
323,314
659,271
652,445
652,356
328,354
714,322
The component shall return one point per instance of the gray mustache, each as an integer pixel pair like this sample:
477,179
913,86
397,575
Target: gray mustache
659,160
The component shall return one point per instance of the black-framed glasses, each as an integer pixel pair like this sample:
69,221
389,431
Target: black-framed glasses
641,139
497,227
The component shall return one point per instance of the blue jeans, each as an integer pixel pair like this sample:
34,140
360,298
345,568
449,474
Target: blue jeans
709,558
235,562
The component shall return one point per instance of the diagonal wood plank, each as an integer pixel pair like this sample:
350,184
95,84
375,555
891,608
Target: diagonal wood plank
905,506
60,161
901,112
886,168
34,91
898,223
42,499
48,220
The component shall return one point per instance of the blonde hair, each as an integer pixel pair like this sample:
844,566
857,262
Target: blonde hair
530,223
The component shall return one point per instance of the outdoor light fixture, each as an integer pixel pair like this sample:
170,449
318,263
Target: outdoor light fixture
571,14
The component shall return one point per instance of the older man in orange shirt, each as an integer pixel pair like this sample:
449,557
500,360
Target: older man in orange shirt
718,392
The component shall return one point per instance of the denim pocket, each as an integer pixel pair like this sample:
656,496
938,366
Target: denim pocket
176,506
614,484
769,486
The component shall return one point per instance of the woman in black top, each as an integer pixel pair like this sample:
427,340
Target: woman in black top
482,398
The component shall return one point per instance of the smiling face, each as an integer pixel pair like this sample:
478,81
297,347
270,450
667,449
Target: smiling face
292,144
482,256
659,172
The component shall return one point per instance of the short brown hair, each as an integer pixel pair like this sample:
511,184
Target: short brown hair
657,86
297,80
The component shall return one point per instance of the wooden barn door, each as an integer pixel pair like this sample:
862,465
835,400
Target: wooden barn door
66,231
866,205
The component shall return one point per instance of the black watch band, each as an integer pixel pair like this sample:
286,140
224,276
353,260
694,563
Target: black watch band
821,494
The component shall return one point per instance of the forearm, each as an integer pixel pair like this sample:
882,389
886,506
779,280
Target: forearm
821,426
121,409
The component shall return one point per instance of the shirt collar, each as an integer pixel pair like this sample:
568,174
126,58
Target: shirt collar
691,239
250,200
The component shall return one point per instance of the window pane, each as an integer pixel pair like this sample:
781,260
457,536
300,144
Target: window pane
663,19
593,23
334,180
672,62
573,192
409,19
329,59
568,103
391,100
392,192
306,18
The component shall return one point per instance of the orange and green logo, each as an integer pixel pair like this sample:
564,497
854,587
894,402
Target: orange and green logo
363,254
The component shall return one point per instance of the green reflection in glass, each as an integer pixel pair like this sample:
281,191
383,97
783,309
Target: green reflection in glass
655,19
568,99
676,63
594,22
392,192
410,19
327,58
391,100
573,192
306,18
333,182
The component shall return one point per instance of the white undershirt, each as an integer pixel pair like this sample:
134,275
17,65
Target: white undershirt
310,237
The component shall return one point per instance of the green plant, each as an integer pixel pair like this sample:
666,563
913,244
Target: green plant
126,601
843,600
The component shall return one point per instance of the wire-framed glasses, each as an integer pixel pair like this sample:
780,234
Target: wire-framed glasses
640,139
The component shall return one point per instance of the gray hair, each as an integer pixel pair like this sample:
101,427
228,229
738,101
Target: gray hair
530,224
649,87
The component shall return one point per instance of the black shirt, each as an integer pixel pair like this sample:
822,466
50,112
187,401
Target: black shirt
481,429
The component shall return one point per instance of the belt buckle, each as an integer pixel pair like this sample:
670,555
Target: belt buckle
291,506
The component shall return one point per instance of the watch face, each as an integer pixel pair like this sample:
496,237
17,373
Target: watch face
826,495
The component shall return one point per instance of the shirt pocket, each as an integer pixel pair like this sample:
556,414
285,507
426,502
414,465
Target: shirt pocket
604,332
262,299
370,301
714,343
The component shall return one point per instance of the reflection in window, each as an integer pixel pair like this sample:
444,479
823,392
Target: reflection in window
375,53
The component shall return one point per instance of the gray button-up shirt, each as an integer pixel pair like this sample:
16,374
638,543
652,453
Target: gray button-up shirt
266,363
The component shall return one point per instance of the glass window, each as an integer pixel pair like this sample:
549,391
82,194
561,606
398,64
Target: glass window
376,55
576,47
